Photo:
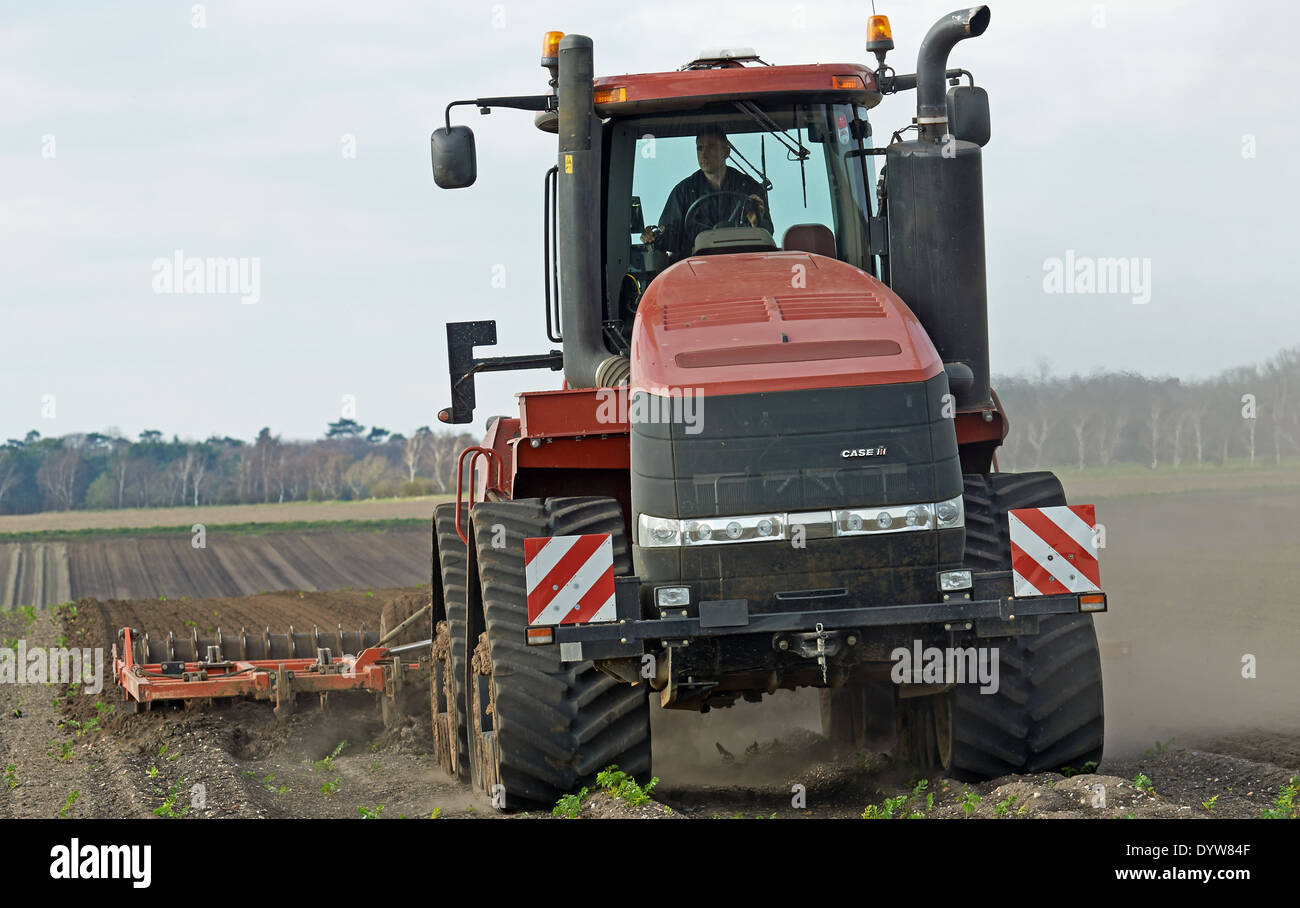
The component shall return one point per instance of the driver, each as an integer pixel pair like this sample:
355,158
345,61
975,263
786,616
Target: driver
714,176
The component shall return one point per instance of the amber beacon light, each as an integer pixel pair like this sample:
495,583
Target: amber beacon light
880,40
551,48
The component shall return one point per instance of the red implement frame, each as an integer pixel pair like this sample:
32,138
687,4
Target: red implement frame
267,679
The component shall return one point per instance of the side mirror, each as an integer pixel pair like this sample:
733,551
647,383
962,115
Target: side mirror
968,114
454,163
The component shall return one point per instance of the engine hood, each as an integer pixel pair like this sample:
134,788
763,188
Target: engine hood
777,321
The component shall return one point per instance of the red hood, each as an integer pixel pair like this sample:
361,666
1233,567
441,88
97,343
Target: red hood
774,321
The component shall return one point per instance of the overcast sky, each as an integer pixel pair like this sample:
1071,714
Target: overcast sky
1161,131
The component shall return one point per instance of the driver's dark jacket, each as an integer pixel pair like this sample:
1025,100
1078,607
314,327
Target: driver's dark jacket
712,211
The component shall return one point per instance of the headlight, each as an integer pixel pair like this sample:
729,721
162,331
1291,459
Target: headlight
723,530
950,513
654,532
895,519
665,531
950,581
658,531
668,596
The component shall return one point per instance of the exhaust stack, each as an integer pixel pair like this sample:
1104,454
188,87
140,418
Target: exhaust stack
932,63
936,219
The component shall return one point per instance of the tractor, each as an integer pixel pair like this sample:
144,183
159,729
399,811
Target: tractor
770,463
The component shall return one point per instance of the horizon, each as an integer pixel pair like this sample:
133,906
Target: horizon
468,428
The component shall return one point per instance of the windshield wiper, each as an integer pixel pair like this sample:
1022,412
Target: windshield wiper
794,147
759,173
791,143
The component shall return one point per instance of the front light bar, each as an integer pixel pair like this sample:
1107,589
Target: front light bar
660,532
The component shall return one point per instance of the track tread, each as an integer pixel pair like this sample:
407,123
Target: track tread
450,560
555,724
1048,711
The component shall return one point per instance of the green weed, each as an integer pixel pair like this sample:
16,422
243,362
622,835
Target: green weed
623,787
1286,805
326,764
569,806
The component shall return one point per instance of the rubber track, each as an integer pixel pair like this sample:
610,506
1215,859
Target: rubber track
557,724
1048,712
451,561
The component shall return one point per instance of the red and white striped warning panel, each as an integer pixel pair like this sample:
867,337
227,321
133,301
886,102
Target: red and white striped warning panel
1054,550
570,579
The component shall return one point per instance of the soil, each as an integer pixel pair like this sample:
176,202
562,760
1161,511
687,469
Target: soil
251,764
216,515
248,762
1201,589
147,567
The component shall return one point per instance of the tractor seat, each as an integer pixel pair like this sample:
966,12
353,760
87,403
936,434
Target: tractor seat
814,238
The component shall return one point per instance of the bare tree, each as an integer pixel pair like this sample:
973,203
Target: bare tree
1196,416
413,451
1080,426
8,474
57,478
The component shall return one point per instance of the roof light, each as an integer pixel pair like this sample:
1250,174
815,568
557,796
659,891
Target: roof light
551,48
879,36
880,40
727,53
847,82
610,95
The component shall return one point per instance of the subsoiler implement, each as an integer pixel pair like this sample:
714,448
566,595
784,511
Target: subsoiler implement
263,665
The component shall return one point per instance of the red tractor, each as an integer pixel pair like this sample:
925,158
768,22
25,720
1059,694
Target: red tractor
771,464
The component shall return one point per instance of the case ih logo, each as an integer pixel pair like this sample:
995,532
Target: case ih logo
1054,550
863,452
570,579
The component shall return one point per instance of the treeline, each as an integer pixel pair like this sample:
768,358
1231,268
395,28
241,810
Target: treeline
1249,415
98,470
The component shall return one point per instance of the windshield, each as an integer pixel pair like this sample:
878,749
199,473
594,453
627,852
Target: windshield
784,170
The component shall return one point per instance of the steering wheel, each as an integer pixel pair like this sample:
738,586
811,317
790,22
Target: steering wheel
694,211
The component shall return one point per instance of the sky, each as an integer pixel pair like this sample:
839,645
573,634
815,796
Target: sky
294,136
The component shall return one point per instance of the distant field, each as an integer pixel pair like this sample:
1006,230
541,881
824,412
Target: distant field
223,515
120,565
1133,480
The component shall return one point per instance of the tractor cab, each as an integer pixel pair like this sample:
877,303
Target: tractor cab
711,160
796,176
